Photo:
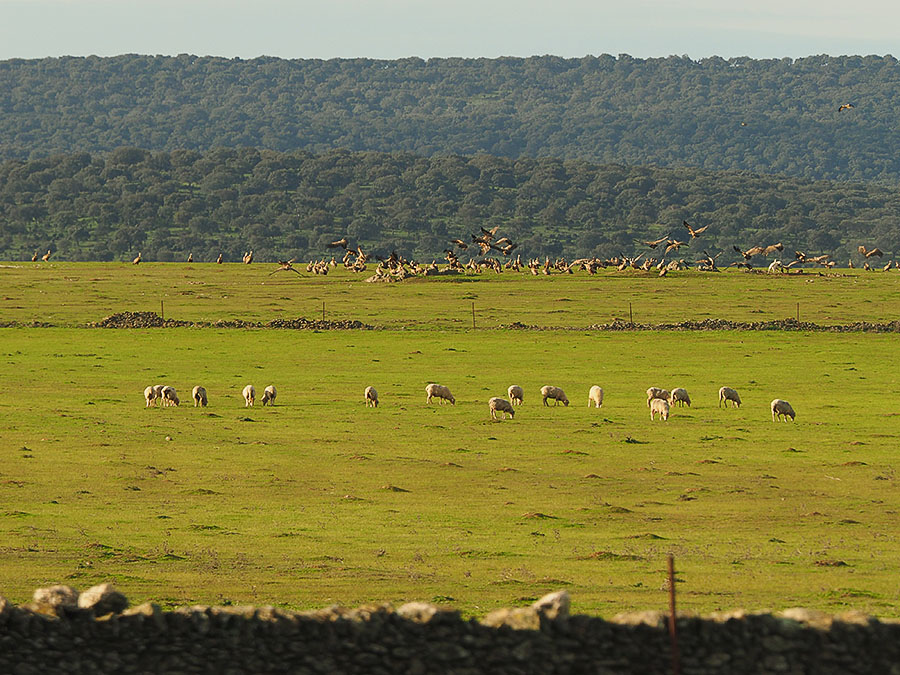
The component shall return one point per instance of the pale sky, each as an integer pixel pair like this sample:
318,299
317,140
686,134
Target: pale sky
389,29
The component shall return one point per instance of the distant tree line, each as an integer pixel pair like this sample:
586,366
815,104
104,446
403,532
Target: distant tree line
284,205
778,116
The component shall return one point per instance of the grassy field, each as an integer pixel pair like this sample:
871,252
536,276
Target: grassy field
321,500
75,293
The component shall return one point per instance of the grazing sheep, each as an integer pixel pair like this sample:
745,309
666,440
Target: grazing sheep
680,396
661,406
157,389
150,396
557,394
198,393
249,395
782,409
371,397
728,394
502,405
516,394
269,395
595,396
656,392
439,391
169,396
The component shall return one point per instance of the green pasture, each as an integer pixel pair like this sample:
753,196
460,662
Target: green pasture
76,293
321,500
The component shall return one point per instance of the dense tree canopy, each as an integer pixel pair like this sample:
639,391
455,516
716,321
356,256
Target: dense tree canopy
765,116
166,204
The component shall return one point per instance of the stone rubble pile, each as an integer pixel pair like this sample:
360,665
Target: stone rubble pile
96,631
153,320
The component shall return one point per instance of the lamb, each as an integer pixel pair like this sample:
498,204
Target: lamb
555,393
269,395
249,395
782,409
516,394
169,396
439,391
502,405
661,406
680,396
150,396
198,393
656,392
728,394
595,396
371,397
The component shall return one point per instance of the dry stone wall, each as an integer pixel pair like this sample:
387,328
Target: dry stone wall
62,631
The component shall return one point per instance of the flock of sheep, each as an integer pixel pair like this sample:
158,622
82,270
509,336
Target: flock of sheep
660,401
163,394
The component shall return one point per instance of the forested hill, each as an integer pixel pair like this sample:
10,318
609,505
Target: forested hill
764,116
166,204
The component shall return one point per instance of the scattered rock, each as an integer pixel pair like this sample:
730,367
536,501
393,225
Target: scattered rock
103,599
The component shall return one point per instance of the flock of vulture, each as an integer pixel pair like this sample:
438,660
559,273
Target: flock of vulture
485,242
395,267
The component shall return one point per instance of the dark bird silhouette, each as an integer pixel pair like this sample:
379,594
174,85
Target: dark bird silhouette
694,233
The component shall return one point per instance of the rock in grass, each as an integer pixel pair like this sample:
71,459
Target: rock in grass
54,599
519,618
103,599
553,605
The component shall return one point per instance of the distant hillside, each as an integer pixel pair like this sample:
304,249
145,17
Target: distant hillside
765,116
166,204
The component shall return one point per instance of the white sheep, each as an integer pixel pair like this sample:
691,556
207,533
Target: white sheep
440,392
198,393
371,397
728,394
782,409
656,392
680,396
169,396
595,396
516,394
249,395
269,395
150,396
502,405
661,406
557,394
157,390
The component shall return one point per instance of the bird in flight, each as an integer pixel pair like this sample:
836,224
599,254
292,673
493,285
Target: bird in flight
869,253
845,106
342,242
674,245
287,266
695,233
656,242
